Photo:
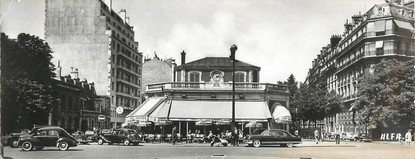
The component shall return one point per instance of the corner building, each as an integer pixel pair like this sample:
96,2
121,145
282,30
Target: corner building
200,100
386,31
89,35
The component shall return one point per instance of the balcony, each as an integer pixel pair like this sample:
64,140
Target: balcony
195,86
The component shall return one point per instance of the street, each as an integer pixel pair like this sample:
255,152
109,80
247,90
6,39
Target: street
182,150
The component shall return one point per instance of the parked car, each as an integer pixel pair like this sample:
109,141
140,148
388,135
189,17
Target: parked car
91,136
123,135
348,136
273,136
80,137
363,137
13,138
47,136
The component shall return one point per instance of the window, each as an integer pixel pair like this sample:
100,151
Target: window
240,76
380,27
53,133
42,133
194,76
379,47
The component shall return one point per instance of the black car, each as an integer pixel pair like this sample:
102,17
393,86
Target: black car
125,136
47,136
363,137
13,138
273,136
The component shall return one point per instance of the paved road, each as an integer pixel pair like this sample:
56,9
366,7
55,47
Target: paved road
306,150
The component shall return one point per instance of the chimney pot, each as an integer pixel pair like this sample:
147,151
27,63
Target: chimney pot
183,57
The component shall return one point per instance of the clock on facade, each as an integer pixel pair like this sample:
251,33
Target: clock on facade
216,76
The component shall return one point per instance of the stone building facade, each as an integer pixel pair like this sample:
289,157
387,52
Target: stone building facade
78,106
385,31
94,38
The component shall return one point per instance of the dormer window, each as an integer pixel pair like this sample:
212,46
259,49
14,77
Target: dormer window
194,76
402,12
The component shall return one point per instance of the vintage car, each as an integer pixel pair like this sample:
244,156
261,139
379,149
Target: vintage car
126,136
80,137
362,137
13,138
47,136
272,136
348,136
91,136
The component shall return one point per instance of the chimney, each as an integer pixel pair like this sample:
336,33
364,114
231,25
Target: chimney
334,40
347,26
183,57
59,70
74,73
357,19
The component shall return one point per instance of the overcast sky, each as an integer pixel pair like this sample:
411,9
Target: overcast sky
280,36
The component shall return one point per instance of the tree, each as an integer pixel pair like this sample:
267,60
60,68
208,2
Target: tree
315,102
386,96
27,74
292,86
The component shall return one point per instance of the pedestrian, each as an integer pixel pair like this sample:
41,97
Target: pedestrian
235,137
337,138
210,136
316,136
408,137
173,135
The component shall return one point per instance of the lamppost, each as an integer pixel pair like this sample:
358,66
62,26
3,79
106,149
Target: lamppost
233,59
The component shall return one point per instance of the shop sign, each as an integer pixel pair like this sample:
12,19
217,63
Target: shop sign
391,136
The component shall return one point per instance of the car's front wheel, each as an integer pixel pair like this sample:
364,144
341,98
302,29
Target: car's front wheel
257,143
126,142
14,143
63,146
100,142
290,145
27,146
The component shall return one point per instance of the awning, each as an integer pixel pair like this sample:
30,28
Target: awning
281,115
163,122
218,110
223,123
379,25
379,44
204,123
161,112
146,108
144,124
404,25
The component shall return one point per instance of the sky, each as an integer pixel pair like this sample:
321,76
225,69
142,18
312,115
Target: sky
280,36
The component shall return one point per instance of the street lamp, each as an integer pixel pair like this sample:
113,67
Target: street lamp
233,59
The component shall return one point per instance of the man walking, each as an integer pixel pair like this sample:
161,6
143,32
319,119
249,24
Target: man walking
173,135
316,136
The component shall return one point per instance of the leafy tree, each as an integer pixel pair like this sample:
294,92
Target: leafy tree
386,96
27,74
315,102
292,86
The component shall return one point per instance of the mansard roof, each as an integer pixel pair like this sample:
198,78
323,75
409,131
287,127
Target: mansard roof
221,63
